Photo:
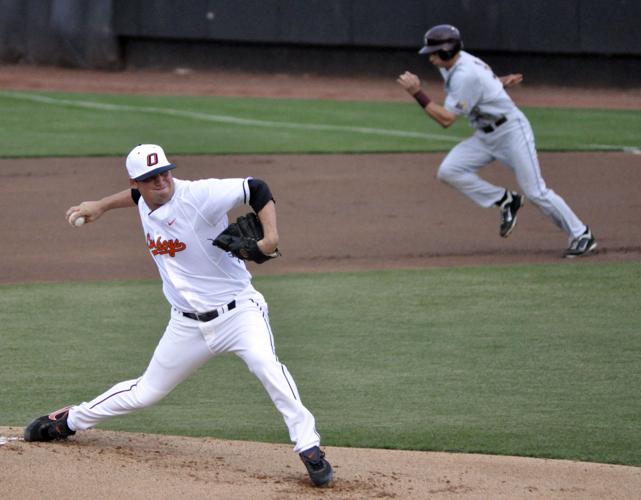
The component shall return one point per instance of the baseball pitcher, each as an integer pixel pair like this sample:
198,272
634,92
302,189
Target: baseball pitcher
214,307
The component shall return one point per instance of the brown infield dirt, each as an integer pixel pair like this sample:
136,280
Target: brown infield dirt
336,213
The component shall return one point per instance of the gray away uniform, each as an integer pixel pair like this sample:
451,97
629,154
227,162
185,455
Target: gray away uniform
474,91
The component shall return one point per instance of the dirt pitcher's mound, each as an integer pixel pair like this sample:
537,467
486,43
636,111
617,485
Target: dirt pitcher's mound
102,464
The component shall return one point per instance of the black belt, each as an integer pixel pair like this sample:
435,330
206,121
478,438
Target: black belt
491,128
208,316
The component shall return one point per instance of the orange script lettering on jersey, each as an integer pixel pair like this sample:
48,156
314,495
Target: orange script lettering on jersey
162,247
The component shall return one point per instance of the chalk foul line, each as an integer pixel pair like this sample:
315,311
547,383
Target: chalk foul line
232,120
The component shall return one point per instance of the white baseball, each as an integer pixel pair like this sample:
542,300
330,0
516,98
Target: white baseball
79,221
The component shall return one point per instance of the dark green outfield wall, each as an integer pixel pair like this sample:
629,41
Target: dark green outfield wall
568,41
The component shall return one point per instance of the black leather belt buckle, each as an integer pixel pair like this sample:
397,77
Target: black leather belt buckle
208,316
491,128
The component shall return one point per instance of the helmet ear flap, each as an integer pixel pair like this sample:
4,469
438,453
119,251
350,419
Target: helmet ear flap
447,54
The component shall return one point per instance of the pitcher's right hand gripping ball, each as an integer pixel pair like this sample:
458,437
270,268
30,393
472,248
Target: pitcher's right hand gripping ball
241,239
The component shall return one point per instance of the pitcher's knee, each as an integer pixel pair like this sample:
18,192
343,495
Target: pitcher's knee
145,396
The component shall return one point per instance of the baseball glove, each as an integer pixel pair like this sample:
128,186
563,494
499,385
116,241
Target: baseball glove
241,239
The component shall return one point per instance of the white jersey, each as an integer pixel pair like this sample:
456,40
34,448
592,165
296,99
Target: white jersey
196,276
474,91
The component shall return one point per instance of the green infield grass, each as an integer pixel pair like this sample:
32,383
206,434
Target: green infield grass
73,124
540,360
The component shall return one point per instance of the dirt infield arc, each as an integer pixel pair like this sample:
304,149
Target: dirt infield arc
336,213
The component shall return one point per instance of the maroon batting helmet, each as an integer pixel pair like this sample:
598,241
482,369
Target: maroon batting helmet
443,39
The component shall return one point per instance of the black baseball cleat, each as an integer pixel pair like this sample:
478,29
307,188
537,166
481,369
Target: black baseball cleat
49,427
509,206
319,469
582,245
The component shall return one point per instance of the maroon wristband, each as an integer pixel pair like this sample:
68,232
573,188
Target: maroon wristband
422,98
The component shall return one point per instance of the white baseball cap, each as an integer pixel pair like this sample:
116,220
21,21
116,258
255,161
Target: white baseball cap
147,160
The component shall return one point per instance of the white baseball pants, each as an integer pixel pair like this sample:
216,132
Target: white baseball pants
186,345
513,145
